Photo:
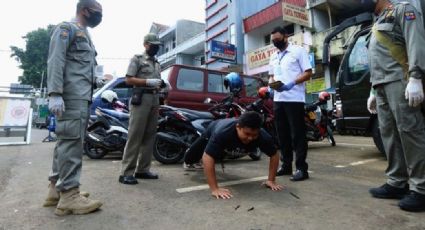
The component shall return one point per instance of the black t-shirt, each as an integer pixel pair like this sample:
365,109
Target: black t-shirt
224,141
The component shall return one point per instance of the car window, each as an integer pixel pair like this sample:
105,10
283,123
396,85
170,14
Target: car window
251,86
358,61
215,83
190,79
123,90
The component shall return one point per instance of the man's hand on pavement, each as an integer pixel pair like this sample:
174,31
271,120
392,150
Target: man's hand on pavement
273,185
222,193
56,105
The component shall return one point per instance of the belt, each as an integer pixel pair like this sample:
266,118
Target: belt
151,91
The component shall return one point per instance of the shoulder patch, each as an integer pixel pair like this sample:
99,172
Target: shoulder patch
64,34
409,15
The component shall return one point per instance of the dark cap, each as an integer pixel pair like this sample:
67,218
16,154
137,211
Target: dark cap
152,39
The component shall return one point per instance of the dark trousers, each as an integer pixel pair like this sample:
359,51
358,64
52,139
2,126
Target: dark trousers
291,132
196,150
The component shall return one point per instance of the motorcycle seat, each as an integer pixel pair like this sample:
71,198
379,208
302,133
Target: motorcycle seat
193,114
119,115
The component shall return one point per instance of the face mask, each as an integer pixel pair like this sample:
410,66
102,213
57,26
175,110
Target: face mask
368,5
280,44
153,50
94,19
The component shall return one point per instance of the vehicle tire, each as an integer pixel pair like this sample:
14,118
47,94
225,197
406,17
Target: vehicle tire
94,152
330,137
168,153
376,134
256,156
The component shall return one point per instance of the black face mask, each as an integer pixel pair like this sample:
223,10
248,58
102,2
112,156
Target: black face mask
152,50
94,19
280,44
368,5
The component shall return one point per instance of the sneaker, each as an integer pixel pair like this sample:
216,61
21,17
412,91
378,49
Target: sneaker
413,202
387,191
193,167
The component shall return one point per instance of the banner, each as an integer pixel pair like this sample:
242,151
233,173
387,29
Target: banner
315,85
296,14
260,57
223,51
14,111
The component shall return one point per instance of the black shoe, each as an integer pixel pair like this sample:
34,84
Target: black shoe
127,180
413,202
284,171
299,175
387,191
146,175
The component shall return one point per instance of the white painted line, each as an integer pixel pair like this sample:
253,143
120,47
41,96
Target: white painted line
205,186
357,163
235,182
356,145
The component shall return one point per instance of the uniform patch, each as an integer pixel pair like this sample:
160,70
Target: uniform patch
64,34
409,16
80,34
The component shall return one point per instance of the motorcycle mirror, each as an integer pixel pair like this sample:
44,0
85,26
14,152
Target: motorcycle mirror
209,101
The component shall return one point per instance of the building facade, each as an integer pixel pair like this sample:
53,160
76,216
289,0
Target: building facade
183,43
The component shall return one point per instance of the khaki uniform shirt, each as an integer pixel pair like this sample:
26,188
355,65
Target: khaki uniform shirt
71,62
144,67
403,24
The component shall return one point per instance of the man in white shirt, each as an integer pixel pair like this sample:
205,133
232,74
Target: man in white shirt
292,67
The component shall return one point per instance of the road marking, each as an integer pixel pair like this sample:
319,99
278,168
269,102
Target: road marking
346,144
228,183
357,163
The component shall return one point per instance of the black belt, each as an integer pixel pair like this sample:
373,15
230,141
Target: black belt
152,91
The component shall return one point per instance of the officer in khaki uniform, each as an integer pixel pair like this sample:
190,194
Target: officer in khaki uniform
397,65
144,74
70,79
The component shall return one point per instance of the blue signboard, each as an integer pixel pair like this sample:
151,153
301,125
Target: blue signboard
311,58
223,51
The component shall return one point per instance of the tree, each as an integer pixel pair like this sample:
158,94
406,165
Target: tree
33,60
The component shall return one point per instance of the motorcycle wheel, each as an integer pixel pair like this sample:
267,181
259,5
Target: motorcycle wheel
168,153
330,136
256,156
94,152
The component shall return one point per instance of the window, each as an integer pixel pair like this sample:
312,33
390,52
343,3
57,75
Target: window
251,86
358,62
190,79
123,90
267,39
215,83
233,34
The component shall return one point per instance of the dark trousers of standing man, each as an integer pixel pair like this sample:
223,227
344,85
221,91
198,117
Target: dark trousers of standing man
291,132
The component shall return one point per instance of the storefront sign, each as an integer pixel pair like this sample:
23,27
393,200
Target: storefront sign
223,51
296,14
260,57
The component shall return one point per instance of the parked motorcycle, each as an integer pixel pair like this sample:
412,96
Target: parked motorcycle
318,120
178,128
108,133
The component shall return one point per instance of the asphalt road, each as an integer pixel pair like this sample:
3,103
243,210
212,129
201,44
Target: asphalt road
336,196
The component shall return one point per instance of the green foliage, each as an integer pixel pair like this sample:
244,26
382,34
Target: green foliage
33,60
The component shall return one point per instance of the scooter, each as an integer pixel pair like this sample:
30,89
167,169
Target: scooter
108,133
318,120
178,128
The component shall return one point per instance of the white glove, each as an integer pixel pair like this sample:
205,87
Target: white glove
414,92
153,82
371,104
56,105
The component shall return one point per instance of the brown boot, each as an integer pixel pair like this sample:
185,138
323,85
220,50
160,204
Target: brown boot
72,202
52,198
